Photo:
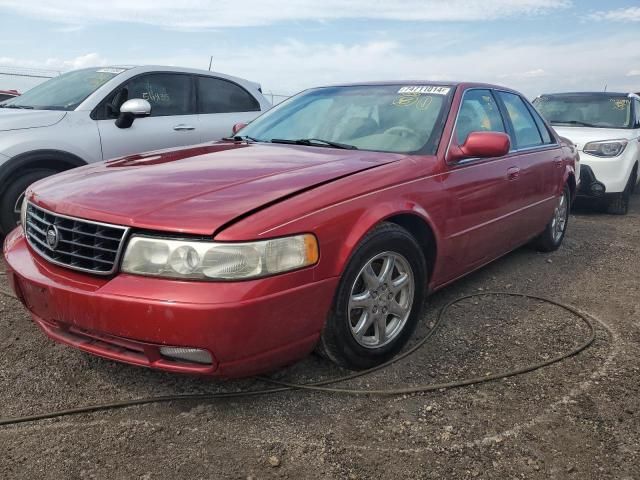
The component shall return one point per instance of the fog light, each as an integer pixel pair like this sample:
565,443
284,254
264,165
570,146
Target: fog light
189,354
597,189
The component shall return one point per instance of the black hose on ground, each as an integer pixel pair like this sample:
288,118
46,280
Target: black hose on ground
321,386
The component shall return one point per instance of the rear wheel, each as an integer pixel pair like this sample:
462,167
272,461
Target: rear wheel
551,239
378,302
13,196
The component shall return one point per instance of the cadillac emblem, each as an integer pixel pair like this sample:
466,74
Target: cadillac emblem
53,237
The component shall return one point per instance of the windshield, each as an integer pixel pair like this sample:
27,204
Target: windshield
387,118
65,92
586,110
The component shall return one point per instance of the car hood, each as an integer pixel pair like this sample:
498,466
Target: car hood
16,119
582,135
200,189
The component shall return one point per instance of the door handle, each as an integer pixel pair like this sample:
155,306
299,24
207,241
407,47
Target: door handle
182,127
513,173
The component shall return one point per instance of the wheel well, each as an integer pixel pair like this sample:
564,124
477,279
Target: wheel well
422,232
44,159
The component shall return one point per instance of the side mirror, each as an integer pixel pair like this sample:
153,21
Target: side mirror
132,109
237,127
481,145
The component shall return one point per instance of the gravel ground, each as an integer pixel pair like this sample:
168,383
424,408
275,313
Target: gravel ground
577,419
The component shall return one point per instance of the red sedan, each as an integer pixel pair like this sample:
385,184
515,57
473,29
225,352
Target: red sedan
323,224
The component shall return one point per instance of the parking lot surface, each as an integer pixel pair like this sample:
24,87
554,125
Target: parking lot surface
576,419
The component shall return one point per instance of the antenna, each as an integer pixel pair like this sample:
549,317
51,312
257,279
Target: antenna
210,62
605,85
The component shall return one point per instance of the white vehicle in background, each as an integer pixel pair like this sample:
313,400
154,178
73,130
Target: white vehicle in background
100,113
606,130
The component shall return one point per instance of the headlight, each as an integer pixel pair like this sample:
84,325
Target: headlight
609,148
201,260
23,214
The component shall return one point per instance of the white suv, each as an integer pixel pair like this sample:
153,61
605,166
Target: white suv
606,130
99,113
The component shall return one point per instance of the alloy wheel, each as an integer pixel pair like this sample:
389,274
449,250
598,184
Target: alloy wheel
559,222
381,299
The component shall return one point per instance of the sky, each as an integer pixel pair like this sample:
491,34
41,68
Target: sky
535,46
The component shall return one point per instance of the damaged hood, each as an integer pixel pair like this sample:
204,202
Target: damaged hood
200,189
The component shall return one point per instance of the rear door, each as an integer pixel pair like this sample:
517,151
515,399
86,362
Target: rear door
221,104
483,189
539,160
173,121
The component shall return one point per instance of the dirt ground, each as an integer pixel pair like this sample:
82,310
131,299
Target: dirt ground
579,419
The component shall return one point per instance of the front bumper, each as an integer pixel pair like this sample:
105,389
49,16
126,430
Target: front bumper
248,327
613,173
590,186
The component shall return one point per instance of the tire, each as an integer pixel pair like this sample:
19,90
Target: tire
13,193
385,245
551,238
618,204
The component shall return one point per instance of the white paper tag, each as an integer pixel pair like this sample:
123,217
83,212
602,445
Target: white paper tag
111,70
433,89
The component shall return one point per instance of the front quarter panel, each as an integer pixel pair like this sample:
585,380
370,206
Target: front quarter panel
342,212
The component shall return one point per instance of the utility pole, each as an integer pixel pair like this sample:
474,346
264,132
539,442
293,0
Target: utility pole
210,62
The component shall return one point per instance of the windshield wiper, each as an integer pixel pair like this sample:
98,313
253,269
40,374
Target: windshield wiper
240,138
572,122
315,142
29,107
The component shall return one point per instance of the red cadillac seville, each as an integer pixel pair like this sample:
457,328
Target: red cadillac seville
323,224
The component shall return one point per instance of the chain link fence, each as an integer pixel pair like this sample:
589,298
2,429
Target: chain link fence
22,79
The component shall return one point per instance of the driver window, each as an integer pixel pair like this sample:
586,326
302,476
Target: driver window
478,113
167,93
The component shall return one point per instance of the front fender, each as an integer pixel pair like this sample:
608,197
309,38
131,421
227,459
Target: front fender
373,216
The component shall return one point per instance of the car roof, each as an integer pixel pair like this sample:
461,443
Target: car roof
578,94
195,71
438,83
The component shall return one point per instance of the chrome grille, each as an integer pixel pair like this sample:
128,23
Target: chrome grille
79,244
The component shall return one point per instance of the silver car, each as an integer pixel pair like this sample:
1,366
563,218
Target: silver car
95,114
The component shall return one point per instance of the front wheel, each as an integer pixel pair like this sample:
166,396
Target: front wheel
618,204
551,239
11,200
379,300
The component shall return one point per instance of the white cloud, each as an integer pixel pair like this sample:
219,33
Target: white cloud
543,65
534,67
630,14
53,65
199,14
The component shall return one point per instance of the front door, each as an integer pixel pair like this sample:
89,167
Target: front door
173,121
482,190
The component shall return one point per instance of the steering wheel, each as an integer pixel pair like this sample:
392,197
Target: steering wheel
401,130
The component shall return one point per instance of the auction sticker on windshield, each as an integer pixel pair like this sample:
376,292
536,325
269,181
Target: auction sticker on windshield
433,89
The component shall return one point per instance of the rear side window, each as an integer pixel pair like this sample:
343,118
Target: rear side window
478,113
524,126
637,105
168,94
542,128
221,96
